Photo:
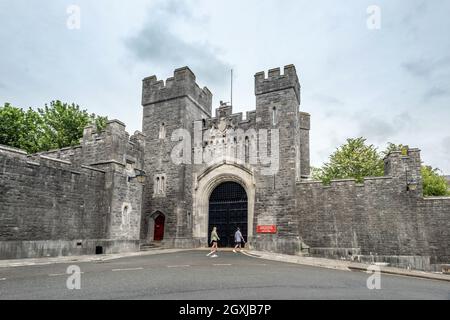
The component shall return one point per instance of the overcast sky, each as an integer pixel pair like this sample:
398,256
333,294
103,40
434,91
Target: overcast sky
388,84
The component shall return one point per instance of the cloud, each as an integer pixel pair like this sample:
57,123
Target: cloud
383,130
416,10
327,99
435,92
158,44
446,145
425,68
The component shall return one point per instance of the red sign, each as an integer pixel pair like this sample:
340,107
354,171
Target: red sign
266,229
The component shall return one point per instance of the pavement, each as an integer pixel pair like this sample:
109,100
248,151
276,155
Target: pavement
84,258
190,275
346,265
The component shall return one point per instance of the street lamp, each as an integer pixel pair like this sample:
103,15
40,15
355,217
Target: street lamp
411,183
138,174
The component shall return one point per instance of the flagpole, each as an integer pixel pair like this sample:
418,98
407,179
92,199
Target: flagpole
231,87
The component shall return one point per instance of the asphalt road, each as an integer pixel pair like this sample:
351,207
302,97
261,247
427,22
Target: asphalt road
190,275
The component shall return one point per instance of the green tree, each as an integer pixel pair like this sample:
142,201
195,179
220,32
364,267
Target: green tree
56,126
355,159
11,122
63,124
19,128
434,183
393,147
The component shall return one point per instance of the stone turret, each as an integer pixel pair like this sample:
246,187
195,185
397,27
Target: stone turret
405,165
182,84
276,82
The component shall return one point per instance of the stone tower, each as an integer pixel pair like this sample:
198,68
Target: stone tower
168,108
277,109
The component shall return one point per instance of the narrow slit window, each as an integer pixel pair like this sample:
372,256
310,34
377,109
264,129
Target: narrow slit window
274,116
162,131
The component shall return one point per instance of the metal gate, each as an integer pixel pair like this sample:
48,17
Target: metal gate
228,210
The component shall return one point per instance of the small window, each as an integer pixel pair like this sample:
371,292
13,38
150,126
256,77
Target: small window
274,116
162,131
247,150
159,185
189,221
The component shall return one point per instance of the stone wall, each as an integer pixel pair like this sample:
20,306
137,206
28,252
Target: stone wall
378,217
42,198
77,200
46,199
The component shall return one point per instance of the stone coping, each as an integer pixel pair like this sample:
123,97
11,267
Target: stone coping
11,149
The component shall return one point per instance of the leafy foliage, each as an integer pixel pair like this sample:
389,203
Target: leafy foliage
434,184
56,126
393,147
355,159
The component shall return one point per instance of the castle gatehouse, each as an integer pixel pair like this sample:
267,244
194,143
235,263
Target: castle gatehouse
205,168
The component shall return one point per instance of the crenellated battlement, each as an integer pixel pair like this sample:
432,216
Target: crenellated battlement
111,144
275,81
404,164
402,169
182,84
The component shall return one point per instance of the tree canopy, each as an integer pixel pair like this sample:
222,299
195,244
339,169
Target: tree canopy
356,159
54,126
434,183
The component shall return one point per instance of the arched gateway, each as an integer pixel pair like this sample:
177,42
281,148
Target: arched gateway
224,197
228,210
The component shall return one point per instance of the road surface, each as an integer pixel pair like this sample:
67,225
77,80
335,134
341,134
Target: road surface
190,275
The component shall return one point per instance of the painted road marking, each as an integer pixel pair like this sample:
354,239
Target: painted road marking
129,269
2,279
181,266
59,274
222,264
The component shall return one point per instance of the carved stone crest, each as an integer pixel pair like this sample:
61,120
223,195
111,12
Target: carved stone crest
222,125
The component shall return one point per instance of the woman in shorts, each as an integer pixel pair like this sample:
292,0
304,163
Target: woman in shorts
214,239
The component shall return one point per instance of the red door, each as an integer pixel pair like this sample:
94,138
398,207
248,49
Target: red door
159,228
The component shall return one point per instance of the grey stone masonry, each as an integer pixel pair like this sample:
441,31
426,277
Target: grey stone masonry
379,217
305,127
275,194
166,109
72,200
182,84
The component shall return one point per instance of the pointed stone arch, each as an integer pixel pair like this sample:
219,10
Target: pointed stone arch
149,225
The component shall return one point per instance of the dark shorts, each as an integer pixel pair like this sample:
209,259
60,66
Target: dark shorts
214,241
238,243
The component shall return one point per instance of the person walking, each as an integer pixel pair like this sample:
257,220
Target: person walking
214,239
238,239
